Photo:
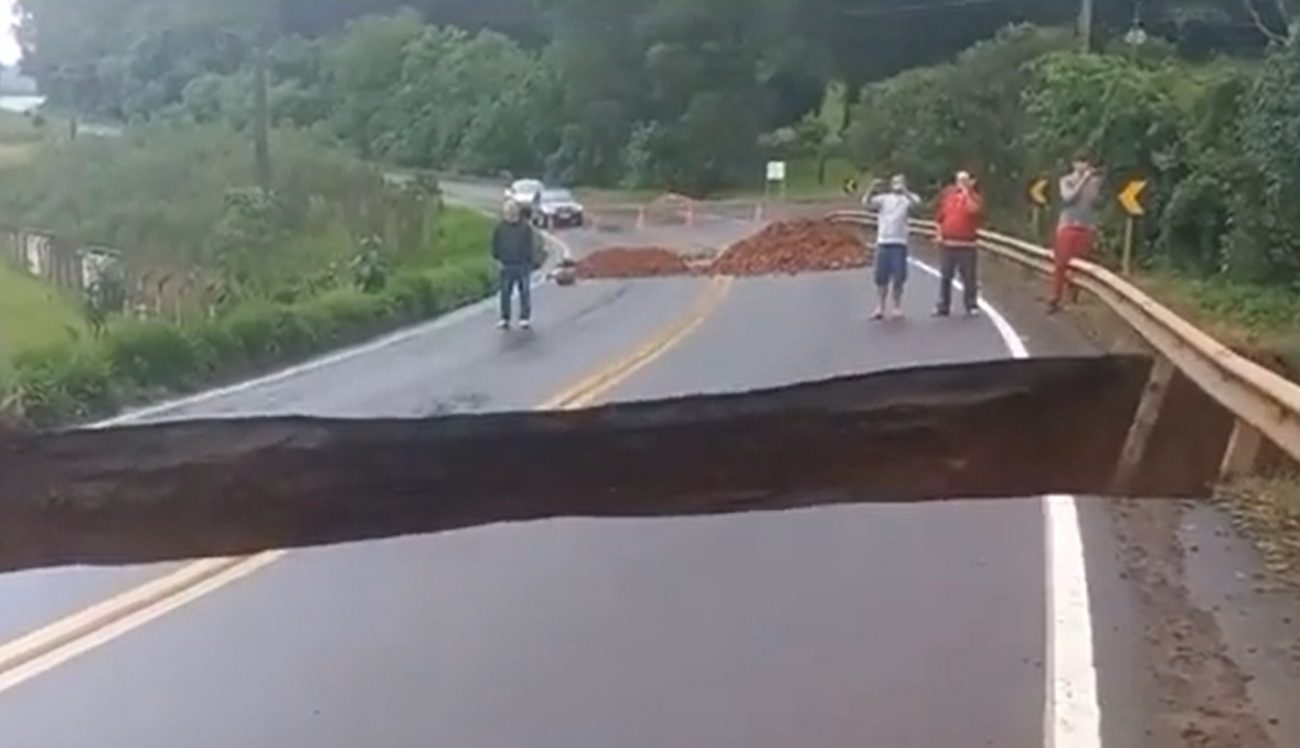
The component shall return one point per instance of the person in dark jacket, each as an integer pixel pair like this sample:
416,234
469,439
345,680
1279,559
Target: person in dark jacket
513,247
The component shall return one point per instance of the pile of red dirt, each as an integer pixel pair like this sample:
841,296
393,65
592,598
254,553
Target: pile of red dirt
791,247
632,262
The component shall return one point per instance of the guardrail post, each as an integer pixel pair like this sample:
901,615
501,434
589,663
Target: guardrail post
1242,452
1144,423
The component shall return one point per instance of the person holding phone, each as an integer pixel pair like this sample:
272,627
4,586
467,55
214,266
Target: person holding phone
1076,230
893,209
959,217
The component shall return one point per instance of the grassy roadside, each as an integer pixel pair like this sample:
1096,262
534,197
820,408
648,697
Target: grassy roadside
56,382
1261,322
34,314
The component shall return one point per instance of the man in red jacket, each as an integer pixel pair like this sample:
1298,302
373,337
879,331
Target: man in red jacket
960,215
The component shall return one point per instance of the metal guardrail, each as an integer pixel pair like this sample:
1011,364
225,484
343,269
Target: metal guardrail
1264,403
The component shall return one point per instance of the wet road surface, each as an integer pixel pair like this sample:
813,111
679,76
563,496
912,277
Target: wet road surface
878,626
455,364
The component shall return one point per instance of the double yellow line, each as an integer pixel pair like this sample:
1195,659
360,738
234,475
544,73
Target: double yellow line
50,646
590,389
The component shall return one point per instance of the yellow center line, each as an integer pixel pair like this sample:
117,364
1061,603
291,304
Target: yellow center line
50,646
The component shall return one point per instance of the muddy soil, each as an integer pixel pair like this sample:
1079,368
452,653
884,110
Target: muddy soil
795,246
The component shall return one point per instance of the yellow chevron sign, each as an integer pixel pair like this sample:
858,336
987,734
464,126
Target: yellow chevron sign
1038,192
1130,198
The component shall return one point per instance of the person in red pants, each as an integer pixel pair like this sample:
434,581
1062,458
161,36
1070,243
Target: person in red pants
1076,231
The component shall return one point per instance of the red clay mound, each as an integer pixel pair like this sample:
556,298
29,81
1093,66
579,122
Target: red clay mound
632,262
798,246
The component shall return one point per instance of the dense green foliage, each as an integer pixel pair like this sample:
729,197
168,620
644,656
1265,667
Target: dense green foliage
650,92
46,313
189,210
1218,140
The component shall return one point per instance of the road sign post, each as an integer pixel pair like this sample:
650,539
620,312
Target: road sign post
1130,199
1038,201
1126,264
775,173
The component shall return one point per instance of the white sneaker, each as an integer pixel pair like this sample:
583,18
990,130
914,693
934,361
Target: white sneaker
503,324
525,324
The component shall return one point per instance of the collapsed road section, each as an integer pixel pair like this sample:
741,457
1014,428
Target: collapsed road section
217,488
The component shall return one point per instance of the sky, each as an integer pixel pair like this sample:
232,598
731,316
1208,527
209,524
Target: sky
8,45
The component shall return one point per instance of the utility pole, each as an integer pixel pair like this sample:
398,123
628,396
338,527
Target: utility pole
261,121
1085,24
261,104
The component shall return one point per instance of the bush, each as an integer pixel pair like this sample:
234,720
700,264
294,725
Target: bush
64,383
219,345
928,122
251,327
153,354
346,311
414,295
462,236
1257,307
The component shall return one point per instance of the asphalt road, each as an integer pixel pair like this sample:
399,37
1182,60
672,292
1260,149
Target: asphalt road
866,626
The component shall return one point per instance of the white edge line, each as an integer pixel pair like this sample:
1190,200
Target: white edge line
1072,712
446,320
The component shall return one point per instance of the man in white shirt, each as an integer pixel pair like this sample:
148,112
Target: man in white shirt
894,210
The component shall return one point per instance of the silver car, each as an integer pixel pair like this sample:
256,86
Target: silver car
527,194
